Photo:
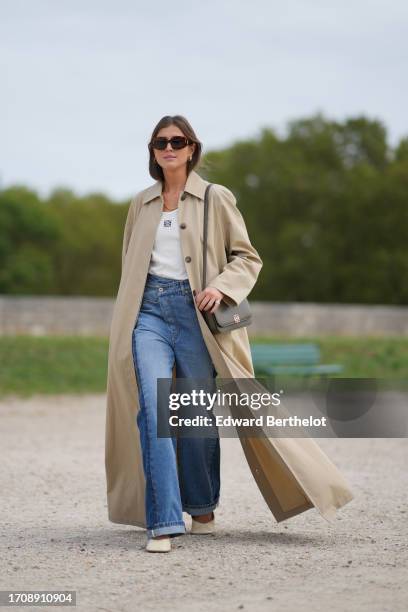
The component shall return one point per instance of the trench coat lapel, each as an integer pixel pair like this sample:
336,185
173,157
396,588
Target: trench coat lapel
293,475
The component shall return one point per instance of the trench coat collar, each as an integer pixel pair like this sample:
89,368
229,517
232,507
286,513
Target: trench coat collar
195,185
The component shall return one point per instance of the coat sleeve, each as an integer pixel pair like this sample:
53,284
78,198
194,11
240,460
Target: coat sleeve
239,275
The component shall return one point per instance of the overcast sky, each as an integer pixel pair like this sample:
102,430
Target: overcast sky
83,82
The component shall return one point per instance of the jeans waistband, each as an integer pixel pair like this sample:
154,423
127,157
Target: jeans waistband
153,280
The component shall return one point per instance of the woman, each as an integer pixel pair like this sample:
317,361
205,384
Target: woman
158,330
181,474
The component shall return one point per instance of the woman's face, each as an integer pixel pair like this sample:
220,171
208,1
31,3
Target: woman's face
169,158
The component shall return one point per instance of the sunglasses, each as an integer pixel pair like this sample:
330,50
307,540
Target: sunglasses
177,142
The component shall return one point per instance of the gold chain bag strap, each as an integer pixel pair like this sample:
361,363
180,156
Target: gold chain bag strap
226,317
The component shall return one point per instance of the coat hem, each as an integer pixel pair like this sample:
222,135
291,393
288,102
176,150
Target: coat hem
329,512
127,522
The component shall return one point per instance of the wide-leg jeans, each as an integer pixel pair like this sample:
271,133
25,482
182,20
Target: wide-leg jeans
182,474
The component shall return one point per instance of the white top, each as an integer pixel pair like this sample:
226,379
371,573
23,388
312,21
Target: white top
167,258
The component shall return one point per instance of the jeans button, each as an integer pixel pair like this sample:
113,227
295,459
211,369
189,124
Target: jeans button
160,288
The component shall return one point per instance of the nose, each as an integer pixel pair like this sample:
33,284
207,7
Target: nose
169,145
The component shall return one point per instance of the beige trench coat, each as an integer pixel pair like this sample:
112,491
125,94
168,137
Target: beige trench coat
293,474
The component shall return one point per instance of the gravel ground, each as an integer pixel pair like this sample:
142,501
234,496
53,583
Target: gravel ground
55,533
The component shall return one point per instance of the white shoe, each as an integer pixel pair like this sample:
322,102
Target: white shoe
198,528
158,545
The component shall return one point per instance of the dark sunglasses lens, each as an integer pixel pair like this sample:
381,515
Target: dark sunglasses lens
160,143
178,142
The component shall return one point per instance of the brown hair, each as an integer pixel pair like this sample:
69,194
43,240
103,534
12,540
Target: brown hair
181,122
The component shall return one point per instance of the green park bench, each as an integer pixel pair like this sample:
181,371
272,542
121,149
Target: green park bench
302,359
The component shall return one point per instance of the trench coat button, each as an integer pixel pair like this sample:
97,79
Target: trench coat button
188,258
183,197
183,225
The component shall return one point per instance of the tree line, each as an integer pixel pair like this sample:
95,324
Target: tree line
326,206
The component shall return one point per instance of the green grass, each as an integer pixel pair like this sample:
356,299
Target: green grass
53,364
74,364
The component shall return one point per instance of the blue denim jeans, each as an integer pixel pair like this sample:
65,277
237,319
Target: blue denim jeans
182,474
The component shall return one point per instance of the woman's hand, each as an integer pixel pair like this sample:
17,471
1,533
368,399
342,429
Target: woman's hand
206,299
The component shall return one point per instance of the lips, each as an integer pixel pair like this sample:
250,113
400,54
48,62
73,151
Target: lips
169,157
